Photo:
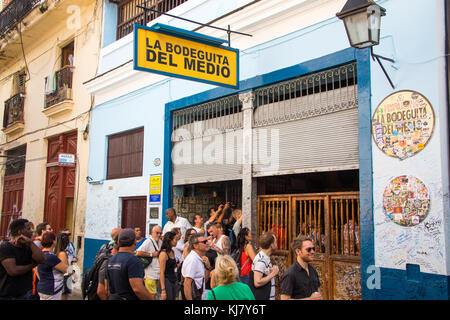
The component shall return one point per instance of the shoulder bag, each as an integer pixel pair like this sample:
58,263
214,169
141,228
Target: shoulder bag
260,293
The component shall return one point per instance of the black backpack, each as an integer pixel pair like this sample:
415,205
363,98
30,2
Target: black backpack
236,255
89,283
260,293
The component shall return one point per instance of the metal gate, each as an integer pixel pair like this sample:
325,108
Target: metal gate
332,221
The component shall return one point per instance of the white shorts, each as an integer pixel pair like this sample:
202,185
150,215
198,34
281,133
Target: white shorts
50,297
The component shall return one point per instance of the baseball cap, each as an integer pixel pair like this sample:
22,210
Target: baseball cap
126,237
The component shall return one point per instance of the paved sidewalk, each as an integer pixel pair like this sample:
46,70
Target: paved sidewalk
76,295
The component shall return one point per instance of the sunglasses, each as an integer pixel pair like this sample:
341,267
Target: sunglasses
310,249
204,241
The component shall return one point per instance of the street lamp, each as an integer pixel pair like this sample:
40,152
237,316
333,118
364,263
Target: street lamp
362,20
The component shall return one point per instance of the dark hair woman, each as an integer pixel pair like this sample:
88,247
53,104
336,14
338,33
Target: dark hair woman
51,273
248,253
62,242
167,266
188,234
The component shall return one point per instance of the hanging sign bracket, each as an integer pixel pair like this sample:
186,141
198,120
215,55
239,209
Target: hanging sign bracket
228,31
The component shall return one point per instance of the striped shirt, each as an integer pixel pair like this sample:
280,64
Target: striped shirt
262,264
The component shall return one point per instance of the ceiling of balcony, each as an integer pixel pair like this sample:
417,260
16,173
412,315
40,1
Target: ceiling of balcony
38,27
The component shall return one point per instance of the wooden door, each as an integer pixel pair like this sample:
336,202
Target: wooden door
331,220
134,213
60,181
67,55
12,202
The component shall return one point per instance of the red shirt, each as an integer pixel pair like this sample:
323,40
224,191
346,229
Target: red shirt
246,266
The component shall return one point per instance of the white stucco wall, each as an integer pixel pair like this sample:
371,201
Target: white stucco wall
418,49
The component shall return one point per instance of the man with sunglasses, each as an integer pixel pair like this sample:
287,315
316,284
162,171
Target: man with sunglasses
196,267
301,281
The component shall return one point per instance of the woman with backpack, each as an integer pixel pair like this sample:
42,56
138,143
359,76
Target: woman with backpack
247,254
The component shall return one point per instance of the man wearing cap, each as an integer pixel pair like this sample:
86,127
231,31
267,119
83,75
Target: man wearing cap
125,273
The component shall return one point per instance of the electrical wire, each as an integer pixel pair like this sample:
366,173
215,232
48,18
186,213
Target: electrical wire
19,29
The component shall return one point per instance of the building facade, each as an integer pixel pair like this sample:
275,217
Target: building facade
314,141
48,49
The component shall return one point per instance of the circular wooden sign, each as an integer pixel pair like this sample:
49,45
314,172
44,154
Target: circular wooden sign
403,124
406,201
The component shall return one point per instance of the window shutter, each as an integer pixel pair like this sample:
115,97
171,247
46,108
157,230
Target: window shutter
125,154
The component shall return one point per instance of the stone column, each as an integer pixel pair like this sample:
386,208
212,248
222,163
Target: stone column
248,183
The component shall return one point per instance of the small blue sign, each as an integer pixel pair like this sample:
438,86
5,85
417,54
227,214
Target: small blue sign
155,198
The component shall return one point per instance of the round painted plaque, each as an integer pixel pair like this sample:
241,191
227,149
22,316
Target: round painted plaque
403,124
406,201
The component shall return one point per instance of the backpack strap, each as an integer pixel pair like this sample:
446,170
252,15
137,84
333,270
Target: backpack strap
151,240
248,259
214,295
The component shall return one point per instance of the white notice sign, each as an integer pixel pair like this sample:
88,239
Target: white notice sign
66,159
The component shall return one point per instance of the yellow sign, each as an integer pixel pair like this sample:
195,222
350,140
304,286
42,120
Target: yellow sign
155,189
179,56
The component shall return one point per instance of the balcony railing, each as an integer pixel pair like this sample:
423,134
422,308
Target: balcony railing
14,12
63,87
13,110
129,14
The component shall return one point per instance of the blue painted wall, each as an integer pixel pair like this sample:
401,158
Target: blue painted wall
109,22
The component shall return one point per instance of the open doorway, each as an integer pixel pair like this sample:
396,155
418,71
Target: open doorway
192,199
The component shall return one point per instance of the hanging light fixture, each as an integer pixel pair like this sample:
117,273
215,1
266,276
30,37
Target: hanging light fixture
362,20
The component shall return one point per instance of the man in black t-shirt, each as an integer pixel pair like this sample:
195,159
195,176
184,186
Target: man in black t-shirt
17,259
301,281
125,272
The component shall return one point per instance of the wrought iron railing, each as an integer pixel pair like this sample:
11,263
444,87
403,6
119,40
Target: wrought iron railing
307,96
63,87
14,12
13,112
129,13
221,114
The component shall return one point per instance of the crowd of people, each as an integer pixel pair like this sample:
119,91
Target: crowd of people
36,264
213,259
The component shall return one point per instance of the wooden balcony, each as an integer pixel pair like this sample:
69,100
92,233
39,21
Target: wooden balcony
13,119
60,100
129,14
14,12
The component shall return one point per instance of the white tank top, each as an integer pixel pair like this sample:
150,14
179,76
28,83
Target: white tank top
218,242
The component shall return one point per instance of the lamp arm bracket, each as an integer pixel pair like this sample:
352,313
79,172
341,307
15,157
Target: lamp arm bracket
381,57
377,57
